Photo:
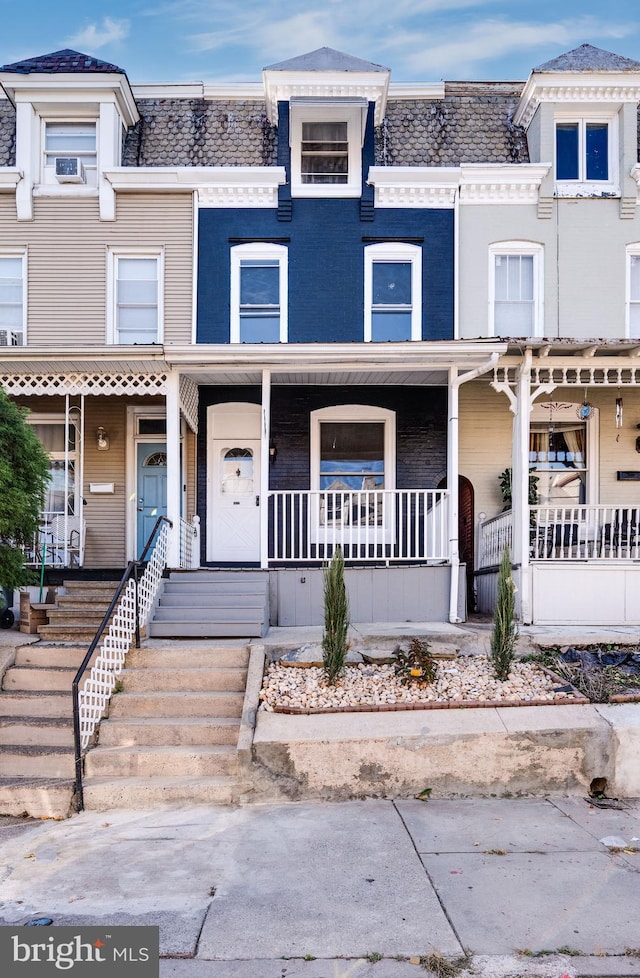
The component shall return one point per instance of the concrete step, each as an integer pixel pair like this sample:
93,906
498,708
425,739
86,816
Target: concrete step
32,678
204,613
68,633
90,587
158,731
71,616
210,679
219,576
104,794
181,655
190,586
205,598
183,628
96,601
188,761
36,703
39,655
176,705
36,797
36,731
34,761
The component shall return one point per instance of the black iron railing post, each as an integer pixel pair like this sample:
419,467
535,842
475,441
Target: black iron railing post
77,743
136,583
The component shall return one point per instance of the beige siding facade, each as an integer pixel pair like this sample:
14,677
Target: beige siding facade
67,248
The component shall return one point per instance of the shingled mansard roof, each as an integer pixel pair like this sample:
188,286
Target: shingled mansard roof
589,58
325,59
62,62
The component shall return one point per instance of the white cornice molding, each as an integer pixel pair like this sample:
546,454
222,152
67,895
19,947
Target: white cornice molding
410,186
635,173
282,86
216,186
569,86
246,91
501,183
72,89
10,177
415,90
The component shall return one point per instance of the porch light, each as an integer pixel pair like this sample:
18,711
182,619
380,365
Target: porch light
273,451
102,440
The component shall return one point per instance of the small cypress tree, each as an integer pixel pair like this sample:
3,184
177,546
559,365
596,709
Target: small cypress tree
24,473
503,635
336,619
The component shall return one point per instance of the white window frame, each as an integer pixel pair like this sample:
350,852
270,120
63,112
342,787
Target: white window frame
65,455
327,112
583,187
48,177
528,249
546,412
254,251
633,251
403,254
113,257
20,253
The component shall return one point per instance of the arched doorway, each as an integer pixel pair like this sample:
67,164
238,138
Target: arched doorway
466,534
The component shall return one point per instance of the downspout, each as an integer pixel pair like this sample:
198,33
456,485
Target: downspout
455,382
263,498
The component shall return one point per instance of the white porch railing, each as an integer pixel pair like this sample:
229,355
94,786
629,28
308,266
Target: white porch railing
59,541
495,535
585,532
368,525
189,543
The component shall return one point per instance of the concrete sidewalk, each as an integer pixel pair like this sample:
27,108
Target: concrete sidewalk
347,890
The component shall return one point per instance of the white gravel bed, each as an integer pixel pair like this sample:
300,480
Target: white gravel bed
467,679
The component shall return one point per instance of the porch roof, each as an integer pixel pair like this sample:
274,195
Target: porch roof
78,370
417,364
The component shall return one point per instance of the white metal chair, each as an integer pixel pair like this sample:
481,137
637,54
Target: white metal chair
67,540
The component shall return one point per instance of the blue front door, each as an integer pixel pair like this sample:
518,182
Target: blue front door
151,488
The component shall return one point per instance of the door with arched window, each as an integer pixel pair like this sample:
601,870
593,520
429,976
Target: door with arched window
151,489
233,511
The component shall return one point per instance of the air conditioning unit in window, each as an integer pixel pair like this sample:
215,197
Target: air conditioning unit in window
69,169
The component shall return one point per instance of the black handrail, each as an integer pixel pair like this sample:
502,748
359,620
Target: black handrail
131,570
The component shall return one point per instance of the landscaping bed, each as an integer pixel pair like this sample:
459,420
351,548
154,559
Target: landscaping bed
609,674
462,682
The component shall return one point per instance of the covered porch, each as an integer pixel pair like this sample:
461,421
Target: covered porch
573,527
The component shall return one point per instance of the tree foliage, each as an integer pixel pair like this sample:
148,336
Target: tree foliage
336,619
24,474
504,633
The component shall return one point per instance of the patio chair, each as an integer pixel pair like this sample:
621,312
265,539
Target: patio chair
67,549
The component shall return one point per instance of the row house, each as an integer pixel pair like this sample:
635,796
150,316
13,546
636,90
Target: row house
324,310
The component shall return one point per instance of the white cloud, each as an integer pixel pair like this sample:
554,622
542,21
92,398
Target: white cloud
96,36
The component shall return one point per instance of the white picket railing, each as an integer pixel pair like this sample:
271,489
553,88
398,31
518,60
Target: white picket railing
96,691
189,543
368,525
495,535
606,532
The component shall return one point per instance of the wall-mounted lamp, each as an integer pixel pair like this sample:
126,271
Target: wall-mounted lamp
102,440
273,451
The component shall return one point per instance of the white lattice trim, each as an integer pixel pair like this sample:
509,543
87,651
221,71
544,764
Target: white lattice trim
580,376
189,402
99,684
84,383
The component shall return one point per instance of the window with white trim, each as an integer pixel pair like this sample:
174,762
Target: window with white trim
585,155
135,297
392,292
70,152
259,293
13,290
62,491
326,149
633,291
515,289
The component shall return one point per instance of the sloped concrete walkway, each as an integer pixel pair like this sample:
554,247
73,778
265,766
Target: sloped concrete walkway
523,887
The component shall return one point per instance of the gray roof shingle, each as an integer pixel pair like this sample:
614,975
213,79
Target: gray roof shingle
7,133
62,61
325,59
589,58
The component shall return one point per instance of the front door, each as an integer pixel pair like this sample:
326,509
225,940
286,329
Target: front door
151,489
235,500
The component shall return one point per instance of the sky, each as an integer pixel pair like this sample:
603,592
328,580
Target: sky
233,40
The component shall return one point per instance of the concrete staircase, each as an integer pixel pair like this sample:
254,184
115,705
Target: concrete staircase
172,732
78,612
212,604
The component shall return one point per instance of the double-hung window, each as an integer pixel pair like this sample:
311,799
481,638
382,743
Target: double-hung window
585,156
515,289
136,303
259,293
12,298
392,292
633,291
326,147
70,152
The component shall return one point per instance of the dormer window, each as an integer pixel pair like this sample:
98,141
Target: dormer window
326,147
70,152
585,156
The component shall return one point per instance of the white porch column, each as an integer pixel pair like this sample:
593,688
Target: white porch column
520,485
174,473
264,468
452,486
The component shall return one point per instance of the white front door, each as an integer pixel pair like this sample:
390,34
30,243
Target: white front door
233,513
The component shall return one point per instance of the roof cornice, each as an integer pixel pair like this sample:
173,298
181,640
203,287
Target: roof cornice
216,186
575,86
412,186
282,86
10,177
503,183
42,89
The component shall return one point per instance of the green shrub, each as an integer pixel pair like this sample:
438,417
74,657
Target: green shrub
416,664
336,619
504,634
